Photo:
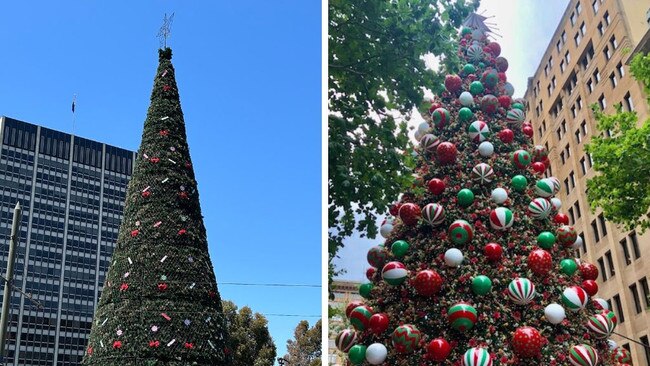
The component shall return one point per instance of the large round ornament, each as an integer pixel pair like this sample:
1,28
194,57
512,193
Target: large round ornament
600,303
527,342
469,69
502,65
544,188
475,53
611,316
590,287
433,213
365,289
446,153
490,78
360,317
424,128
538,167
476,357
600,325
546,239
476,87
438,349
427,282
486,149
489,103
346,339
515,117
436,186
386,228
575,298
519,183
495,49
588,271
406,338
370,273
462,316
440,117
504,101
379,323
506,135
465,114
539,153
466,99
521,159
561,218
557,203
501,218
583,355
540,262
493,251
357,354
499,195
568,266
623,356
578,243
554,313
539,208
566,235
394,273
453,83
509,89
483,173
556,184
351,306
465,197
377,256
399,248
410,213
478,131
461,232
453,257
429,142
521,291
481,285
376,354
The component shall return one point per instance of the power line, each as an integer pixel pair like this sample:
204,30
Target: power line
295,315
269,284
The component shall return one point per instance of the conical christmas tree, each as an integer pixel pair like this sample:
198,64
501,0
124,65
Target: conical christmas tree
478,267
160,304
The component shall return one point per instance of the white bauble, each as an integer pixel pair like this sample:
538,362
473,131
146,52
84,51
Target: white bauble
486,149
578,243
499,195
453,257
602,302
386,229
557,204
418,135
554,313
612,344
466,99
376,354
424,127
510,90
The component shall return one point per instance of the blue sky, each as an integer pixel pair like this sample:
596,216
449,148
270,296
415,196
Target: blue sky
525,28
249,74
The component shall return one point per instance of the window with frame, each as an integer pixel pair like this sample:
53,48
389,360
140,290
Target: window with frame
613,42
619,309
563,122
562,66
566,185
595,5
607,53
562,157
583,128
590,85
646,349
583,29
567,57
576,207
601,264
550,61
603,228
563,37
583,165
635,245
594,229
577,38
621,71
602,102
628,102
574,111
601,28
578,8
645,291
590,160
596,76
635,295
546,70
559,134
558,46
626,251
572,179
610,263
572,218
613,80
549,88
578,137
573,19
607,19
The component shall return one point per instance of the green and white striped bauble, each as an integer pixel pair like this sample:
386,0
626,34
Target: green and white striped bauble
394,273
600,325
545,188
501,218
515,116
483,173
583,355
539,208
478,131
575,298
477,357
429,142
475,52
521,291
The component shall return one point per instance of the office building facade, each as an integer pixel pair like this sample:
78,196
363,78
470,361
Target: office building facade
585,64
344,292
72,191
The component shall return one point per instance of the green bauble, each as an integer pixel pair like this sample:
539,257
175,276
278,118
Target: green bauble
546,239
469,69
357,354
568,266
465,114
481,285
466,31
481,65
465,197
399,248
518,106
365,289
519,183
476,87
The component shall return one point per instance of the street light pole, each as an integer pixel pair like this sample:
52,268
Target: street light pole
6,300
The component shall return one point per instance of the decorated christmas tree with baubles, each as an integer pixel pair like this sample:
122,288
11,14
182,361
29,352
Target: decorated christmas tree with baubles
478,267
160,304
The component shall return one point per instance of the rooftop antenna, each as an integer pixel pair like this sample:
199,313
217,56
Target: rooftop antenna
165,30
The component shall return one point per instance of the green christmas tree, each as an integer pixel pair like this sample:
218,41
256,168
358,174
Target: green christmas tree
478,267
160,304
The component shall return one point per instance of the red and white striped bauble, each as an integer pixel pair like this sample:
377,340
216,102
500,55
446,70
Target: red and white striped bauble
433,213
477,357
521,291
479,131
583,355
539,208
601,325
575,298
483,173
429,142
501,218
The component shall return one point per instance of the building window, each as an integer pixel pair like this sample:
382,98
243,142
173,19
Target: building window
613,42
601,264
546,70
550,62
610,263
576,206
539,130
563,122
594,228
572,217
562,67
646,291
635,294
579,103
608,20
612,79
573,19
595,5
583,128
549,88
567,57
596,76
644,340
567,149
562,158
590,161
558,45
578,137
583,29
607,53
626,251
628,102
578,8
584,243
566,185
621,71
603,228
619,309
572,179
602,102
635,245
574,112
601,29
583,165
577,39
590,86
563,37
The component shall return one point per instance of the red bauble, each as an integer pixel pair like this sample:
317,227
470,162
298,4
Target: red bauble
453,83
527,342
502,64
370,273
379,323
540,262
506,136
561,219
504,101
493,251
427,282
502,77
495,49
588,271
528,131
538,167
434,106
394,208
351,306
438,349
446,152
590,287
410,213
436,186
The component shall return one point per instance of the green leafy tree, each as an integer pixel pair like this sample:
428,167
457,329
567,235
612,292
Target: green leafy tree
250,340
622,185
160,304
375,70
305,347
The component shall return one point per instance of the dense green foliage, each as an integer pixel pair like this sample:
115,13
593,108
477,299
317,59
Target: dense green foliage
622,186
250,340
305,348
160,304
375,69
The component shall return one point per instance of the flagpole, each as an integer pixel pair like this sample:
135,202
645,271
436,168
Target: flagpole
74,100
